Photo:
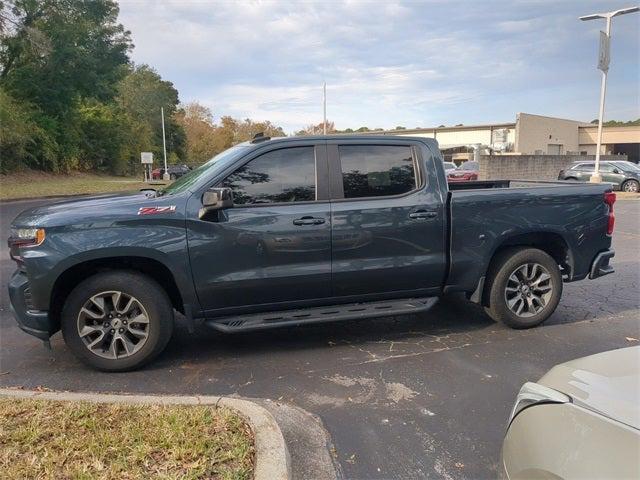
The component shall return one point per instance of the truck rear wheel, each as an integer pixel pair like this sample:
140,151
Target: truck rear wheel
117,321
524,286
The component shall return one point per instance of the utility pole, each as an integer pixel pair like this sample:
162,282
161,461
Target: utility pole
324,107
603,65
165,175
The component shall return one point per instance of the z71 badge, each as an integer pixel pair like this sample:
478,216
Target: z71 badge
155,210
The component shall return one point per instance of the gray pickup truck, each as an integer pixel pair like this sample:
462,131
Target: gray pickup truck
289,231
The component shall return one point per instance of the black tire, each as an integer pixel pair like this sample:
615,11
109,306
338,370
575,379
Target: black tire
503,266
571,179
146,291
630,186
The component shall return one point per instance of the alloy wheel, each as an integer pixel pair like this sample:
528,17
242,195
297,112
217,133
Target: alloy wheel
528,290
631,187
113,324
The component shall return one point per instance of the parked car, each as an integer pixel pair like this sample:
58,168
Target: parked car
449,167
581,420
175,172
624,175
291,231
467,172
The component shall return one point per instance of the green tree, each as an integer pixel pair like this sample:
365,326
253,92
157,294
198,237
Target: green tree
141,95
54,55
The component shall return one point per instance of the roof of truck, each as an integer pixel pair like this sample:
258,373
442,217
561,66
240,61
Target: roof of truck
361,138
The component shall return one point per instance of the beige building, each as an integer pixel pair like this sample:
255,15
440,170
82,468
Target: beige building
532,134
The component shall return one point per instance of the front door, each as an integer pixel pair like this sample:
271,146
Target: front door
611,173
274,245
388,222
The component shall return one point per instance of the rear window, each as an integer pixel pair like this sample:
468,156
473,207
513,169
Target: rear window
471,166
376,170
584,167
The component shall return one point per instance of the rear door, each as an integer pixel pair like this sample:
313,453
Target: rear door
388,219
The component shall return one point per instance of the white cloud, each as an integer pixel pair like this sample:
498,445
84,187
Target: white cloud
385,63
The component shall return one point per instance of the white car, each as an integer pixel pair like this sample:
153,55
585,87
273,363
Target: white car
581,420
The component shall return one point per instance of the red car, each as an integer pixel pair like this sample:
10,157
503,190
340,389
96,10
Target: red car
467,172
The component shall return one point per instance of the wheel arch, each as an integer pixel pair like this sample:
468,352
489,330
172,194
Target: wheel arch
73,275
552,243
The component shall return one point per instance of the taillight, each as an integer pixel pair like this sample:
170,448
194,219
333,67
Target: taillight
610,199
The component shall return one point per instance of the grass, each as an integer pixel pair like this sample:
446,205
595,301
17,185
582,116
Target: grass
40,184
52,440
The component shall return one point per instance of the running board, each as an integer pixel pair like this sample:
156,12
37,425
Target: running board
332,313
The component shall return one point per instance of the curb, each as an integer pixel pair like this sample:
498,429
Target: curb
272,455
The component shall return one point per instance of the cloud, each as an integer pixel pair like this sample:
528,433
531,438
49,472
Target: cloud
385,64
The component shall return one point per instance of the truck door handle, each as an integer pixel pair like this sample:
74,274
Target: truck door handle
308,221
423,215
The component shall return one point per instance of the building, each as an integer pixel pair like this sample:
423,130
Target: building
531,135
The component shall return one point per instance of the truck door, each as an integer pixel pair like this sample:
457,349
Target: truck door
274,245
388,220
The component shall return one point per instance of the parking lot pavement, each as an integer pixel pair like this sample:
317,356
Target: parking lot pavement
405,397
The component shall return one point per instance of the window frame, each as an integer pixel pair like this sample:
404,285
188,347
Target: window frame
336,186
321,174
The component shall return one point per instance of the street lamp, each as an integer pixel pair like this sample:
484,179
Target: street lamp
603,65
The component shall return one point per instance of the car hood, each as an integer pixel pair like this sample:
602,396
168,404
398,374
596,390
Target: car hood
608,383
107,206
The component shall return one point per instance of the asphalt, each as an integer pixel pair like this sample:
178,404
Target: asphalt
422,396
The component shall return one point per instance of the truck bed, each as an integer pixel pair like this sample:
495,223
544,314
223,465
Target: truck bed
487,215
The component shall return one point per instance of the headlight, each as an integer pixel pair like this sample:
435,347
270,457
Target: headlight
26,237
534,393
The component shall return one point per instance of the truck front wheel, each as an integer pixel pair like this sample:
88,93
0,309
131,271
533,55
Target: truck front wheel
524,286
117,321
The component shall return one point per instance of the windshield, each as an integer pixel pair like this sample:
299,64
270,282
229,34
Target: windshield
191,178
449,165
627,166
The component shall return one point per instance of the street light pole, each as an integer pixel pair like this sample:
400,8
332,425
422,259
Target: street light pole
603,65
324,108
165,175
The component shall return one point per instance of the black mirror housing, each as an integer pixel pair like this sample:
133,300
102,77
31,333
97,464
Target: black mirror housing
216,198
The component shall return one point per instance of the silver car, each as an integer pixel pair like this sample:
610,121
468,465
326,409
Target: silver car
581,420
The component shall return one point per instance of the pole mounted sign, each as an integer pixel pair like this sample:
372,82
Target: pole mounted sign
603,54
146,157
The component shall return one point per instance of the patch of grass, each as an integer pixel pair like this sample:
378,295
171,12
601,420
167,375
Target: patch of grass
51,440
40,184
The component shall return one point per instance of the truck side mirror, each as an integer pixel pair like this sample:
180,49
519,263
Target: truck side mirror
216,198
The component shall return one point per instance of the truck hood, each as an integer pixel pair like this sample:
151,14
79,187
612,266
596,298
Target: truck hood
608,383
82,210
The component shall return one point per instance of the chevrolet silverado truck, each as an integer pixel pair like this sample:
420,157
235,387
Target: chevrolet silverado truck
292,231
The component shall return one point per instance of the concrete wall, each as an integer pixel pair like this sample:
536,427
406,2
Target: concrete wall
535,132
531,167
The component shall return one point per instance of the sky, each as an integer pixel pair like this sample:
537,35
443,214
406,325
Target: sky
387,63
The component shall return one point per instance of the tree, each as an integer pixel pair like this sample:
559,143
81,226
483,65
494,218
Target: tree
201,138
141,95
54,54
617,123
317,129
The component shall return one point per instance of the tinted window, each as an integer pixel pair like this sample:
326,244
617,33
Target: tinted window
584,167
286,175
376,170
606,167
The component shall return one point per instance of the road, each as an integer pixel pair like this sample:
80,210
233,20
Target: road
405,397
